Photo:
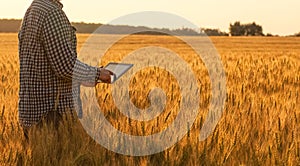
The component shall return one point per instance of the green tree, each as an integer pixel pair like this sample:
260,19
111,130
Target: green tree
251,29
213,32
297,34
236,29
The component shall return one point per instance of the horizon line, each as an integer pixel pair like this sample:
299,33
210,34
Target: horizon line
291,34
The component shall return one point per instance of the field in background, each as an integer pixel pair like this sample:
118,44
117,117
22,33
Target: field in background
259,126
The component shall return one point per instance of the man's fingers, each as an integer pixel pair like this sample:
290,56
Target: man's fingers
110,72
105,75
107,71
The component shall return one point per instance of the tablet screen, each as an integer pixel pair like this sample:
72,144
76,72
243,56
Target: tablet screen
118,69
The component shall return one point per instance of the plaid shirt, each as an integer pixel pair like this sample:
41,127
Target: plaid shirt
50,74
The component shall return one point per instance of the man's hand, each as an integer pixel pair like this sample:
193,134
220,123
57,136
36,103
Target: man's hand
105,75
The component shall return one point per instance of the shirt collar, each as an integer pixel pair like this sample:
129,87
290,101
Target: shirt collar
59,4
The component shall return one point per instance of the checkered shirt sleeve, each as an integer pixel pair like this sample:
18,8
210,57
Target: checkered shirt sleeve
50,73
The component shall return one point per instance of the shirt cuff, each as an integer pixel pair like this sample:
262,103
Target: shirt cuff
97,79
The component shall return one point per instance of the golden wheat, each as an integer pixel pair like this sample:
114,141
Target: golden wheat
259,126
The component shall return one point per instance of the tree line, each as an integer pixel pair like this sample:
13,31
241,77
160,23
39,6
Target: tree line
235,29
252,29
13,25
238,29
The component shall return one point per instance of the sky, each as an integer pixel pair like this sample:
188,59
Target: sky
277,17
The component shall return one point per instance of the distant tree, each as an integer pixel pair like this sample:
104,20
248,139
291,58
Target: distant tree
297,34
9,25
186,31
213,32
269,35
252,29
85,27
236,29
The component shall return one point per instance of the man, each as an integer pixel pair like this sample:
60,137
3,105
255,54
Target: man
50,74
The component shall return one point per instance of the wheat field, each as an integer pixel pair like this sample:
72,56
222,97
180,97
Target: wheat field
260,124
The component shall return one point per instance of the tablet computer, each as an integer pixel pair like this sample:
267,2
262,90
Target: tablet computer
118,69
